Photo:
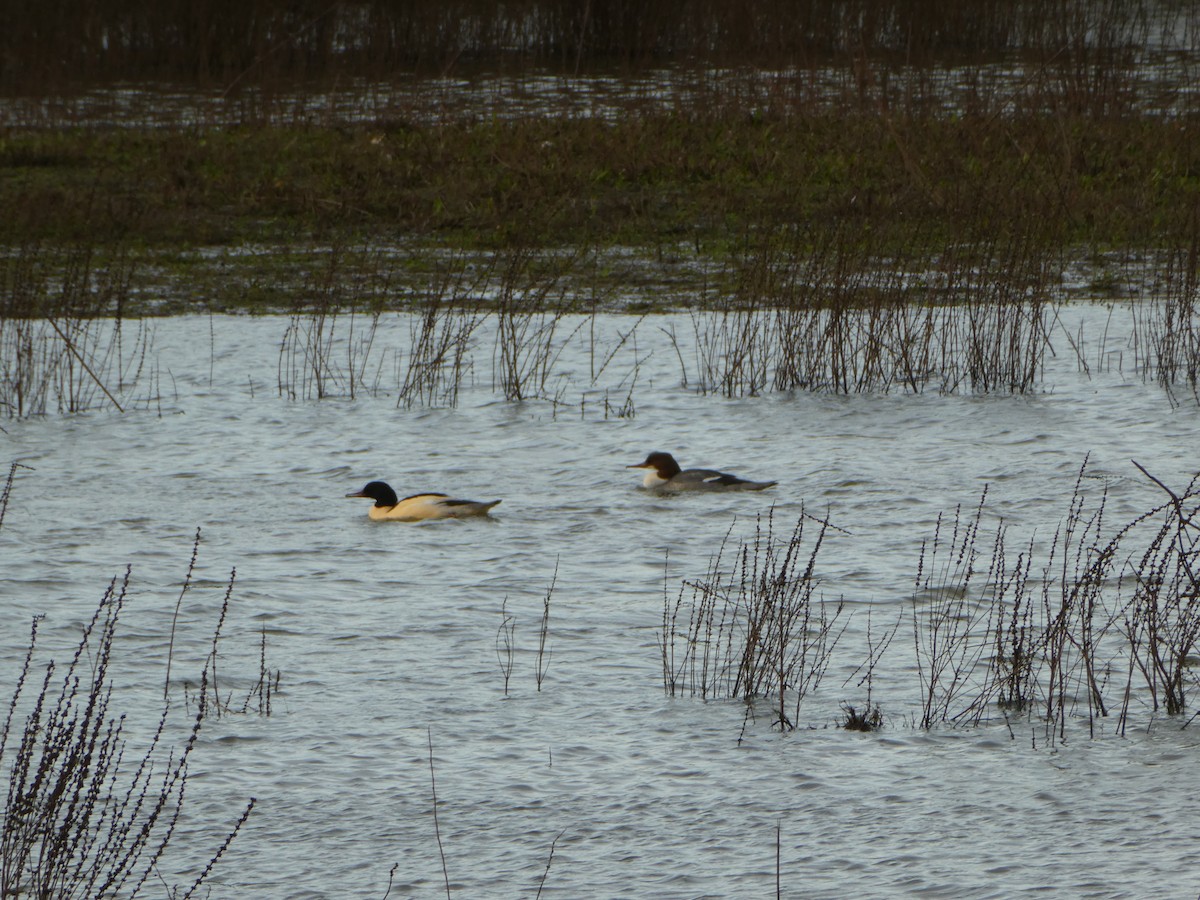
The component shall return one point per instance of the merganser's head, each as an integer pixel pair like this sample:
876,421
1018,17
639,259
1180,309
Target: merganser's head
663,464
378,491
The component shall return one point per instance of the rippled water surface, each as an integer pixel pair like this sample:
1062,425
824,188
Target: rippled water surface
385,634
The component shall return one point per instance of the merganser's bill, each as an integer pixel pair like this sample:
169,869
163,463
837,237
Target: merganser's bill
419,506
665,475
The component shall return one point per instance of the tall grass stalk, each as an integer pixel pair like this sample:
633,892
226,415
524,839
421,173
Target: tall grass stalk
440,338
945,617
759,631
183,589
326,350
506,644
6,492
530,306
437,828
78,820
544,651
64,341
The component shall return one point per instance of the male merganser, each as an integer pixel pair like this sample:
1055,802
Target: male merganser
665,475
418,506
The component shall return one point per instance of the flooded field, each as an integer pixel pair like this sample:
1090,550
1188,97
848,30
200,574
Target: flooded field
929,268
512,667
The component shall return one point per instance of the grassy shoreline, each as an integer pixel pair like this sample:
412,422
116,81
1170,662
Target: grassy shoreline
656,186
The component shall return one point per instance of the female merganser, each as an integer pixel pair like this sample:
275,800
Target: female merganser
665,475
418,506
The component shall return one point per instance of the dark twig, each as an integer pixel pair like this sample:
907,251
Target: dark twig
437,831
549,860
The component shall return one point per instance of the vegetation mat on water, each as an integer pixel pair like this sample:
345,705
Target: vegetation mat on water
78,821
706,178
1099,625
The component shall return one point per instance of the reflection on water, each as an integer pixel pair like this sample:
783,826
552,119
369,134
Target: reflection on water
387,634
1156,79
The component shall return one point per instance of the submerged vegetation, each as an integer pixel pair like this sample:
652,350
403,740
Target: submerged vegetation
859,197
84,816
1065,639
841,140
868,197
671,184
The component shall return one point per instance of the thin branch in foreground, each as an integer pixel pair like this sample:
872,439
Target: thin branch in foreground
437,831
549,860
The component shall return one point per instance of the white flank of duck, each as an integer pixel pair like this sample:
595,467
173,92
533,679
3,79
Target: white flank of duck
388,506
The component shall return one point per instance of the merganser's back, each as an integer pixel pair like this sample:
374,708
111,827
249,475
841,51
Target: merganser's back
665,475
414,508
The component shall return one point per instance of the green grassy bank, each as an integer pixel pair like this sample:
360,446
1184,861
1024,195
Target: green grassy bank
640,182
709,184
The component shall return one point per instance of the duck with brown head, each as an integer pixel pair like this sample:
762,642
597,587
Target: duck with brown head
665,474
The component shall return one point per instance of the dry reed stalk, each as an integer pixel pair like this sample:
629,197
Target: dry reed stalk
187,583
543,651
77,822
945,617
6,492
759,631
310,364
506,643
437,829
440,336
549,861
62,334
267,684
529,309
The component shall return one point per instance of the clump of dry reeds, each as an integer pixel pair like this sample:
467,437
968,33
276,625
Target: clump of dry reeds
326,350
1168,331
506,639
1106,607
529,306
441,331
260,43
1162,620
945,615
78,822
65,344
830,311
1000,645
261,690
759,631
1061,638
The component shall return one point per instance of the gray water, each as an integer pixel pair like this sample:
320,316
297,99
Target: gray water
385,634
